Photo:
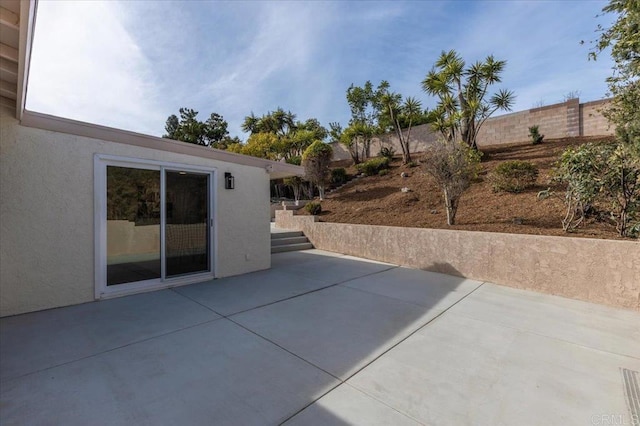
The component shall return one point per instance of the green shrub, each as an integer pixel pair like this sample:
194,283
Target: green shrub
514,176
387,152
608,173
338,176
313,208
412,164
534,134
296,159
383,172
373,166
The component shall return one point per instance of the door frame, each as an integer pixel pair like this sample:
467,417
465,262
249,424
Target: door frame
102,291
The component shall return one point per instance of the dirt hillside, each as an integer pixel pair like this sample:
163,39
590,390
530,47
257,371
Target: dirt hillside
378,200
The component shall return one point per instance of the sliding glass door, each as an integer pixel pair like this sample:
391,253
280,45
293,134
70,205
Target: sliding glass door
154,225
187,223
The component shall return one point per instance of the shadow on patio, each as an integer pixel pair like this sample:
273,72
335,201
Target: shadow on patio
320,338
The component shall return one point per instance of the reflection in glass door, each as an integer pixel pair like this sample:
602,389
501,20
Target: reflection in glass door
133,225
186,223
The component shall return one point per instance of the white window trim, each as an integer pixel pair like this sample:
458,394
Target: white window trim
102,291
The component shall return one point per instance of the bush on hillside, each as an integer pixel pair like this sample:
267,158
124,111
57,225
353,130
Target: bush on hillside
373,166
387,152
534,134
514,176
338,176
313,208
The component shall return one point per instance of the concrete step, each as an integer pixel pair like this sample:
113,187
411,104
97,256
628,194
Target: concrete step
291,247
286,234
286,241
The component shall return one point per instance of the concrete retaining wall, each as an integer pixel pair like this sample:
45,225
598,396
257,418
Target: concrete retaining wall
599,271
566,119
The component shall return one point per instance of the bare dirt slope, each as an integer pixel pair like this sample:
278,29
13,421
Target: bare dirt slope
378,200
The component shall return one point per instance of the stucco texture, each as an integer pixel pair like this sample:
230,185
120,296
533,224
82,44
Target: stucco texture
599,271
47,215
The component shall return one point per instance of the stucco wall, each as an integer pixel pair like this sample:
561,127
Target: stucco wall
600,271
47,217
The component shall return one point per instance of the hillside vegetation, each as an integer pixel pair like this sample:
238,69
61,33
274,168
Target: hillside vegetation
379,200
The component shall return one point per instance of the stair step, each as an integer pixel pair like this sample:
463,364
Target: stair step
291,247
291,240
287,234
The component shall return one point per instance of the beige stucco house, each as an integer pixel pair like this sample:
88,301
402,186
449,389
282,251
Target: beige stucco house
89,212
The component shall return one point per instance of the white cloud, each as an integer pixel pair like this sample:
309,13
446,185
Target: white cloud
87,67
131,64
268,71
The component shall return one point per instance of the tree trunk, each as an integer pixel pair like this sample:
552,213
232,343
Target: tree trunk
451,206
321,191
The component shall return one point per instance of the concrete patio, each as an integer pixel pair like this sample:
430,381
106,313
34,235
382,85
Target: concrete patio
324,339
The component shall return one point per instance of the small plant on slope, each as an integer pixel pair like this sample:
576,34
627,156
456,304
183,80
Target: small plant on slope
535,135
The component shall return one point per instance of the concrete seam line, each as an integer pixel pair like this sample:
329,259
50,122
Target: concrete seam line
413,332
307,292
196,302
113,349
255,333
372,361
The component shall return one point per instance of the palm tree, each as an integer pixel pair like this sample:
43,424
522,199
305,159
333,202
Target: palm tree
463,109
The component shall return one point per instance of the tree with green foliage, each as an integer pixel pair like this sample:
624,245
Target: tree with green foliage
365,109
291,137
610,173
262,145
316,160
357,139
187,128
399,115
624,39
462,90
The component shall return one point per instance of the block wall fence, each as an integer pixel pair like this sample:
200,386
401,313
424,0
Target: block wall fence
566,119
599,271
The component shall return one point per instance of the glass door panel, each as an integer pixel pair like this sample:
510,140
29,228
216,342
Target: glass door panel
133,225
186,223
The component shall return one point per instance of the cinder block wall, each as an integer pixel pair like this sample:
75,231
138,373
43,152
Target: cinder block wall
592,122
566,119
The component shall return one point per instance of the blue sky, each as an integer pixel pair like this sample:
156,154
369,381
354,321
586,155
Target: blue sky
131,64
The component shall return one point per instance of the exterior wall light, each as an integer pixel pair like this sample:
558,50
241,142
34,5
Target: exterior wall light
229,181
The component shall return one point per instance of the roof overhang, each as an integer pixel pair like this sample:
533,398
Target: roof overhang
17,19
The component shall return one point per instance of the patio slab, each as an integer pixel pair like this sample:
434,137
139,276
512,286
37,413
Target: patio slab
331,268
368,343
463,371
231,295
429,289
346,405
595,326
215,373
44,339
339,329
